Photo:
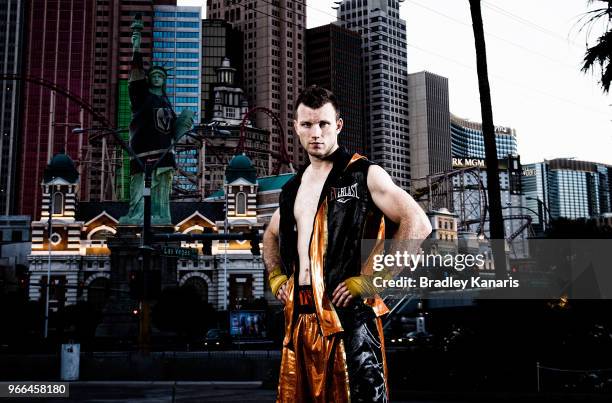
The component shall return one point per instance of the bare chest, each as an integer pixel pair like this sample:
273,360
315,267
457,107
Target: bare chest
306,203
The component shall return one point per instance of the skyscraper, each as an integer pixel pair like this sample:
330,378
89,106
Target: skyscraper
11,49
430,135
273,59
176,45
177,39
219,41
384,54
468,140
61,51
333,61
568,188
104,100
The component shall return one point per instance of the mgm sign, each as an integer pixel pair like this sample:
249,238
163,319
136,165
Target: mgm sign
468,163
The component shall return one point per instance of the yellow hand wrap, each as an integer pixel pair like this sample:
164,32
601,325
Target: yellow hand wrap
363,285
276,279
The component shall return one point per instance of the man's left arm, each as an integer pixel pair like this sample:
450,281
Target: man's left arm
399,207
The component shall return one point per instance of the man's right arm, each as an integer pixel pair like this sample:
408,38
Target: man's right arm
271,257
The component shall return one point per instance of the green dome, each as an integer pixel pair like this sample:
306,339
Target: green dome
61,166
241,161
240,167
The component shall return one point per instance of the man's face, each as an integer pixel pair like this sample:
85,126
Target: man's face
317,129
156,79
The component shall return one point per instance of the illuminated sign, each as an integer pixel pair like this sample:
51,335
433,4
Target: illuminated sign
529,172
468,162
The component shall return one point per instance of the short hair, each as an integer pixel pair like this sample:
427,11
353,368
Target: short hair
315,97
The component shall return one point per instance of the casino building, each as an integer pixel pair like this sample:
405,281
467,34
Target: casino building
467,149
568,188
74,246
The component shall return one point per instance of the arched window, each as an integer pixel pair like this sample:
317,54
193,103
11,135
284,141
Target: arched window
58,203
241,203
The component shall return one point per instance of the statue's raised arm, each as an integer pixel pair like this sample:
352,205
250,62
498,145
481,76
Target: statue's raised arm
137,68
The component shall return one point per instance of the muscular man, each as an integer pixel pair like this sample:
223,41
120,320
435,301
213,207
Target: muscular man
153,128
333,349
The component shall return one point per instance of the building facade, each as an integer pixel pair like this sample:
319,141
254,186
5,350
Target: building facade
430,135
273,64
177,36
219,41
224,131
11,50
467,140
62,52
568,188
74,246
383,41
333,61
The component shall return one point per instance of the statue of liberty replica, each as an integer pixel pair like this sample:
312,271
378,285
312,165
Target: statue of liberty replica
153,129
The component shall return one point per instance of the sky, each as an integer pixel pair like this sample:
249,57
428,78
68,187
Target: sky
534,54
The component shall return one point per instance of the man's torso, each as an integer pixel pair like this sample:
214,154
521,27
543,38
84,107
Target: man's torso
305,209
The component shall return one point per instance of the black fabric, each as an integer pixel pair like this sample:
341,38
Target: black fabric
351,217
153,122
364,358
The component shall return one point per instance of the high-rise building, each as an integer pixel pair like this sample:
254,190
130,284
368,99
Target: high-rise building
224,131
11,38
273,66
430,136
99,158
219,41
177,37
567,188
61,51
333,61
176,46
467,151
384,54
468,141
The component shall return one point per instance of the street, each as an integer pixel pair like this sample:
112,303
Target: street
187,392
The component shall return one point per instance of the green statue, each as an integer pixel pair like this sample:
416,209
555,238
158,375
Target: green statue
154,128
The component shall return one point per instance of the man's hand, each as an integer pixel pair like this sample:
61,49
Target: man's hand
282,294
341,296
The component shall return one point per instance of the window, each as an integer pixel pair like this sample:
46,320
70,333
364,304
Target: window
241,203
58,203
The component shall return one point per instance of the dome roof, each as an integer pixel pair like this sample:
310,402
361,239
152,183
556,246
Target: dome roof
61,166
241,161
240,167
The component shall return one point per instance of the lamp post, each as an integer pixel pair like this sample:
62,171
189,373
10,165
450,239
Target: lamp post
49,229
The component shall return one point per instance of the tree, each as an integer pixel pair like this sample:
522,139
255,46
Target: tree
599,54
496,221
